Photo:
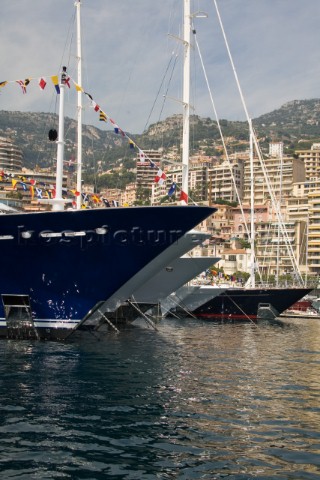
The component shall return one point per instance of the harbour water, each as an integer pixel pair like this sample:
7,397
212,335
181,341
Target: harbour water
193,400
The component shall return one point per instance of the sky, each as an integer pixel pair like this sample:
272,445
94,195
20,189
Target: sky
132,59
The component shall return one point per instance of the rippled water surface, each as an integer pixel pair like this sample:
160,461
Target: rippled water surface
193,400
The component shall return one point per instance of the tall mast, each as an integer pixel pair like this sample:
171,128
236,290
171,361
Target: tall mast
186,102
252,237
280,202
79,105
58,202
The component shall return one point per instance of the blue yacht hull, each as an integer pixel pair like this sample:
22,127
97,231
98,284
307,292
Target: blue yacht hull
67,262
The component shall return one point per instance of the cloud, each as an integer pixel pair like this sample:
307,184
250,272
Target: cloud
128,57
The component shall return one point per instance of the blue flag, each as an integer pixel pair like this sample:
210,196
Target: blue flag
172,189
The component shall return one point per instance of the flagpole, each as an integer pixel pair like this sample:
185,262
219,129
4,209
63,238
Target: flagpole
58,202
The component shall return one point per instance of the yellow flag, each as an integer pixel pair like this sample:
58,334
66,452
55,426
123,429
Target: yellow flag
78,88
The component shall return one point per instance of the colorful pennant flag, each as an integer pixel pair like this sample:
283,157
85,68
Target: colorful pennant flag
142,156
172,189
95,106
78,88
103,117
55,81
183,197
85,197
160,177
22,85
115,126
42,83
95,198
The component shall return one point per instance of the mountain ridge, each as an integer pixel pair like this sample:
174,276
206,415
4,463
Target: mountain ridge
296,123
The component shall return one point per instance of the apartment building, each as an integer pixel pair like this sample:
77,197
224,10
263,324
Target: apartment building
276,149
270,245
281,173
221,223
10,155
147,190
304,205
235,260
311,160
225,181
27,189
129,195
313,232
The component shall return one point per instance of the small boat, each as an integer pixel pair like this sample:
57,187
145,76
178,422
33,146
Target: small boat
303,314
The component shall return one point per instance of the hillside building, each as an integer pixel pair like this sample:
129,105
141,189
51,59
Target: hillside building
11,158
282,173
225,180
221,223
148,191
311,160
276,149
313,233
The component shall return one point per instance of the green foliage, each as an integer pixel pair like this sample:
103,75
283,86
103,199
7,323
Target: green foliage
143,196
244,243
221,201
112,180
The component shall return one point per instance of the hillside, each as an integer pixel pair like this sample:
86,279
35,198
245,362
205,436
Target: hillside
296,124
29,131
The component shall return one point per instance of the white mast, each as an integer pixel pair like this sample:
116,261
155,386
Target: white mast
252,237
280,202
186,102
58,202
79,136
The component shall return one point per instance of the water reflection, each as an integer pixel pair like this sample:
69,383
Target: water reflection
194,400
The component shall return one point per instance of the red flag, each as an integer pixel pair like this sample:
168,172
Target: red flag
183,197
96,107
42,83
